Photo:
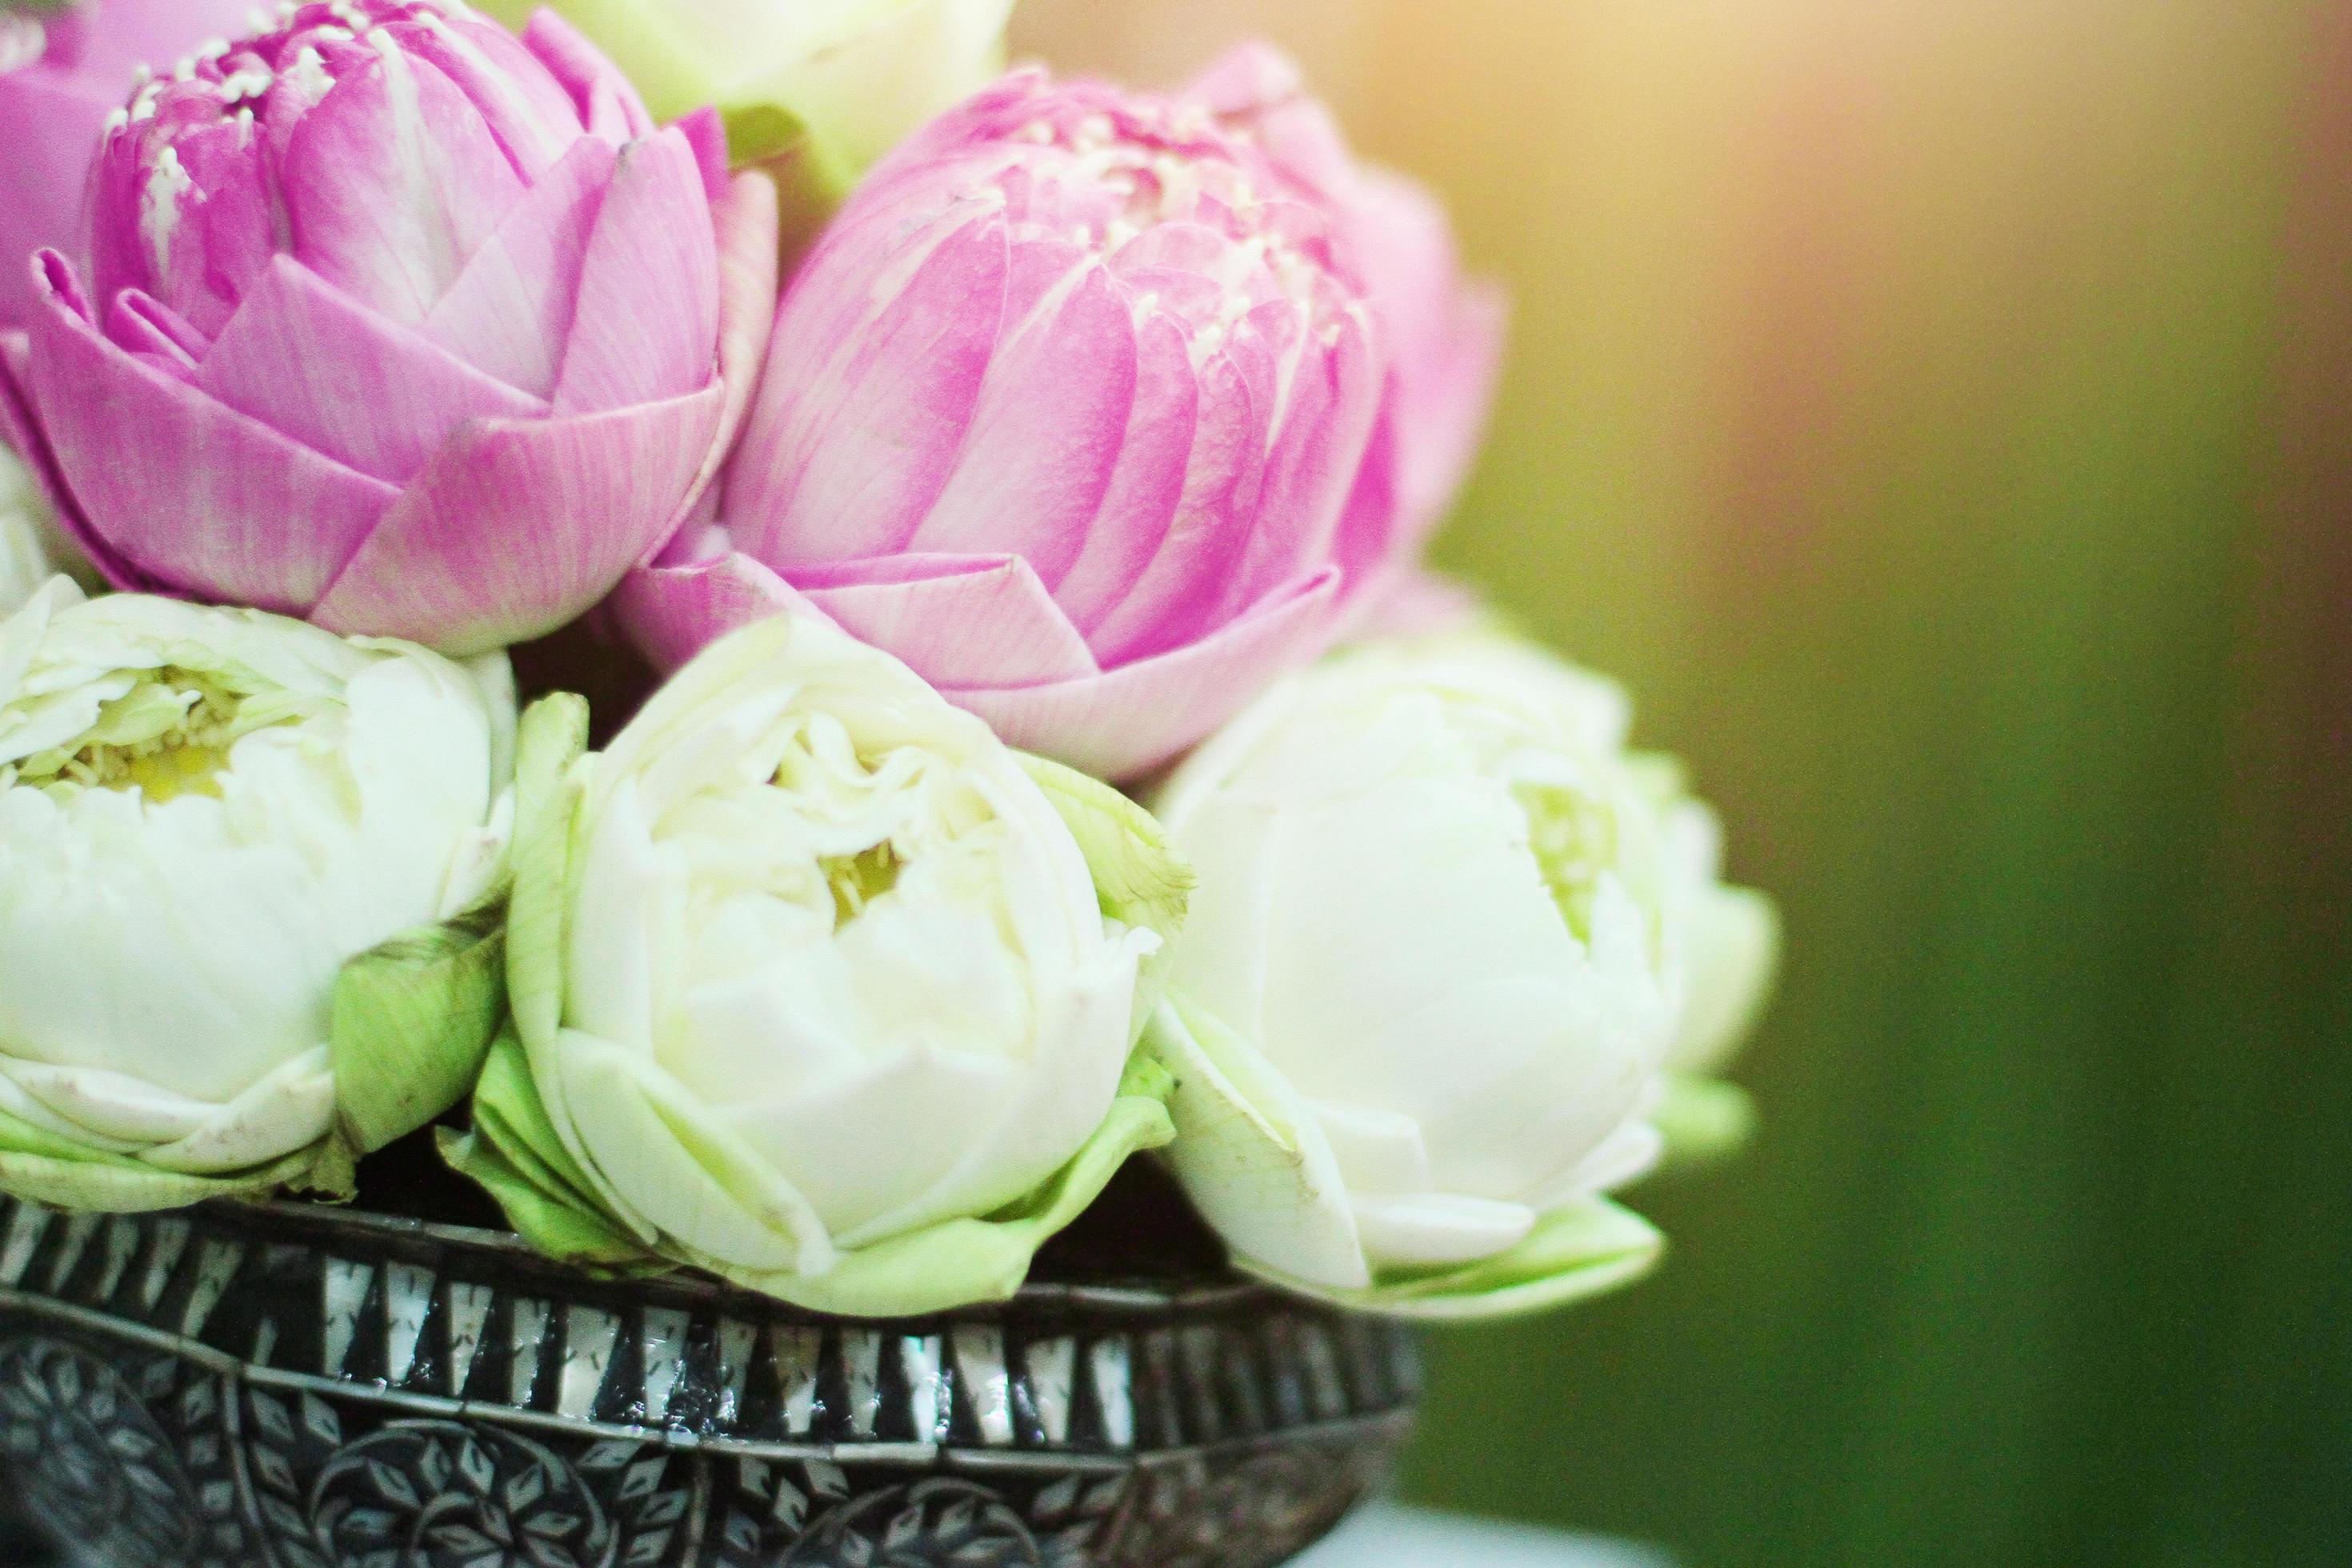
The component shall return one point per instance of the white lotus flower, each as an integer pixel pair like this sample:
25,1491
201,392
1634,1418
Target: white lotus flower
211,823
1432,975
816,987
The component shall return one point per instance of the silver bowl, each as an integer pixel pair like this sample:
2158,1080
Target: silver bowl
235,1386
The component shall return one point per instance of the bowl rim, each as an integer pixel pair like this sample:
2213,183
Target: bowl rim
1230,1290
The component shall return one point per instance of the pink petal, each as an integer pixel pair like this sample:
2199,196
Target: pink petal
1147,488
518,528
858,426
1047,432
366,391
1333,406
705,131
985,622
391,183
1178,595
585,73
747,222
673,611
1127,721
510,311
646,324
19,434
143,325
1258,90
179,489
533,116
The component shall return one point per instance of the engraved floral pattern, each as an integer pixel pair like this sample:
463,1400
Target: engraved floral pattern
440,1494
84,1455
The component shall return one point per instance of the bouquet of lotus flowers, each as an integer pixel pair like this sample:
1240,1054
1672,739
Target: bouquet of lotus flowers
1050,749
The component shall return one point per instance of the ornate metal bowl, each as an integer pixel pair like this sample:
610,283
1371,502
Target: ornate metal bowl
234,1387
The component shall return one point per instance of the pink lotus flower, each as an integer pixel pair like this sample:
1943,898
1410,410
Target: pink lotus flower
1088,409
398,322
62,73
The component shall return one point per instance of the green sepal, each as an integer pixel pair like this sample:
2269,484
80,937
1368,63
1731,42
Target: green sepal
552,738
515,1152
1140,880
1584,1250
413,1020
1704,1121
41,1167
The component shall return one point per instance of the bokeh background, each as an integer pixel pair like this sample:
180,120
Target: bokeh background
1942,414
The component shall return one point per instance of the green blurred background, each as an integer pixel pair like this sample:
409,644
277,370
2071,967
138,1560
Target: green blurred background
1942,414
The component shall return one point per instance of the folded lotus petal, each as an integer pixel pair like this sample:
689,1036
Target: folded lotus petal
391,183
518,527
191,233
1257,85
588,76
146,326
1046,435
305,359
872,445
16,429
746,219
1182,588
676,609
509,310
984,621
21,433
1147,488
1131,719
529,112
226,482
1329,408
1428,1230
654,240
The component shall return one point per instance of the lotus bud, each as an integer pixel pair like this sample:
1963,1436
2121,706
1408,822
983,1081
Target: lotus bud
1084,408
249,913
63,69
1432,979
398,323
818,986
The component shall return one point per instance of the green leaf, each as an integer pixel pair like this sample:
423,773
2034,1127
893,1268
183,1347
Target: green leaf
1576,1253
41,1166
413,1020
1704,1121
